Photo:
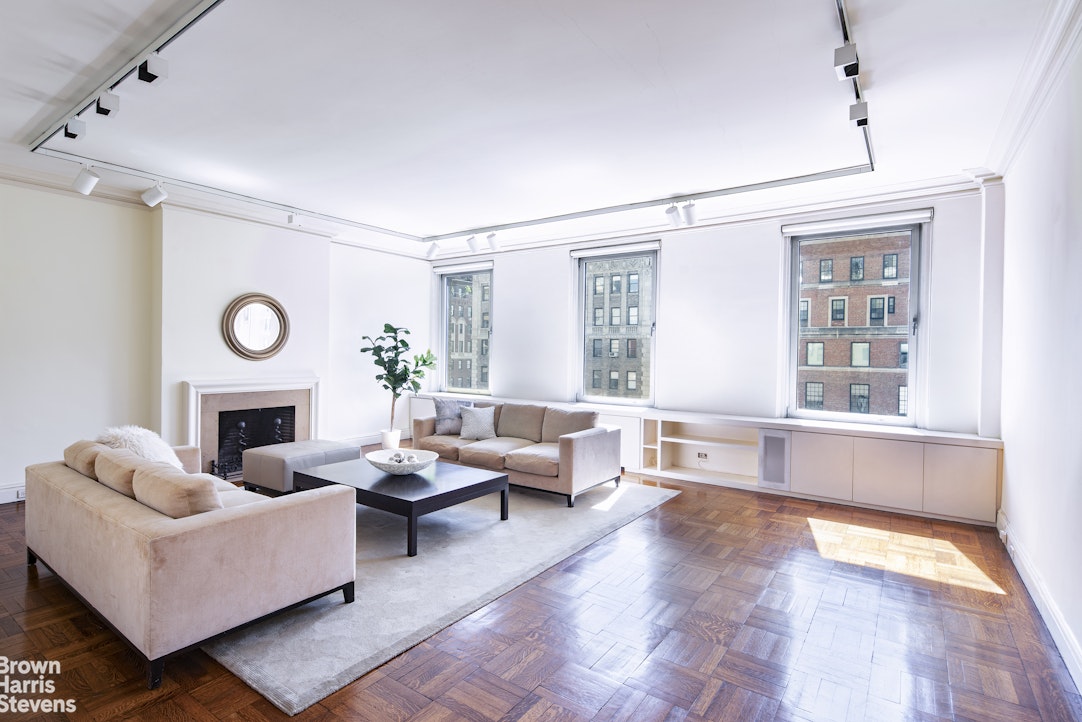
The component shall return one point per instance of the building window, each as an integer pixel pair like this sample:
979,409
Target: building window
837,310
855,342
826,270
627,273
890,265
859,401
597,348
599,285
860,353
876,307
856,268
461,300
903,400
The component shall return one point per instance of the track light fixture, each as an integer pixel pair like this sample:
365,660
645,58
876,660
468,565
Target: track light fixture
75,128
108,104
155,67
85,181
858,113
154,195
689,213
473,243
672,213
293,219
846,64
492,244
433,249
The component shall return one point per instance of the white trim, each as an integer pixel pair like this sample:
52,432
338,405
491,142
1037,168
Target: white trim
615,249
869,223
195,390
462,267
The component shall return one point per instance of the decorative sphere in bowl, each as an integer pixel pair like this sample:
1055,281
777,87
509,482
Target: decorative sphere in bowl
401,461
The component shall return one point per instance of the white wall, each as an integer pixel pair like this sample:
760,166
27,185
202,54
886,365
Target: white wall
1042,391
76,322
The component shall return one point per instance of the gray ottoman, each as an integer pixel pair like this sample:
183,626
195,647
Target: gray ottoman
271,467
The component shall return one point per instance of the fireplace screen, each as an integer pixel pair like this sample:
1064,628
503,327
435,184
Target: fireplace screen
247,429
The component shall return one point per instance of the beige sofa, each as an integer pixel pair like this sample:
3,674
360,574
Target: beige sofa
167,584
564,451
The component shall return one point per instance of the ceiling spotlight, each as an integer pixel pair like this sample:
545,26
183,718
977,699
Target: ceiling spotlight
492,244
85,181
858,113
108,104
846,64
689,213
673,214
75,128
153,68
433,249
154,195
473,243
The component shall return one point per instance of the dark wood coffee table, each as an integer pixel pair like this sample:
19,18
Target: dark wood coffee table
411,495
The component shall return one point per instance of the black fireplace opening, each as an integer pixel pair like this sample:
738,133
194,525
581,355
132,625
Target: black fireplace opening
247,429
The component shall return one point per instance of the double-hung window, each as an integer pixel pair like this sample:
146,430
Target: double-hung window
859,361
623,372
467,309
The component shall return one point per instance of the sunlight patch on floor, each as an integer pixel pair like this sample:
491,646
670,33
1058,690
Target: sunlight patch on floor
611,499
936,560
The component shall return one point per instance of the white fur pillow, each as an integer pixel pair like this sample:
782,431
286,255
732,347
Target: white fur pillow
140,441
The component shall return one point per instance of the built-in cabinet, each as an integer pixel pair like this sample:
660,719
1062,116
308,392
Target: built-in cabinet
701,450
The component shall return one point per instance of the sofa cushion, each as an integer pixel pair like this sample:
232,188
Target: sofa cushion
446,446
174,493
490,452
449,415
562,421
236,496
116,469
81,456
522,421
143,442
478,422
542,459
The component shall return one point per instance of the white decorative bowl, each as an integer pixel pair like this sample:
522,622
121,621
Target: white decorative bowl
384,460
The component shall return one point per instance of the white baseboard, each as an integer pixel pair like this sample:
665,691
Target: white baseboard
12,494
1066,641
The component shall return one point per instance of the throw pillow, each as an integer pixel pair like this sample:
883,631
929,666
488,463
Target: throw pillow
143,442
116,469
478,422
173,492
449,415
81,456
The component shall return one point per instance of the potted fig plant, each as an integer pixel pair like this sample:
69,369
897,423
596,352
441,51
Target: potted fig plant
390,351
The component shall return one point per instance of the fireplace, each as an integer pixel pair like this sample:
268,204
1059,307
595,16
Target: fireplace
220,440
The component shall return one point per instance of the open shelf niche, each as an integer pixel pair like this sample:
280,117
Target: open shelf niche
701,451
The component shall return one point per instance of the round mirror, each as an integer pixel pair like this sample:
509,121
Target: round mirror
255,326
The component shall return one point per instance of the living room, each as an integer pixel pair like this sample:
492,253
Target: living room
113,305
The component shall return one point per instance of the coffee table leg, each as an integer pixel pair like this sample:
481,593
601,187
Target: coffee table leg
411,544
503,504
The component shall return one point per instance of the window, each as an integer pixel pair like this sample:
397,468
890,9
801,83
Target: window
837,310
860,353
903,400
624,335
484,375
890,265
599,285
597,348
859,402
876,307
843,335
461,301
856,268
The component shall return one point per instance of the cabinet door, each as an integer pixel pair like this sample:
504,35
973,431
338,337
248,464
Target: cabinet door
888,473
821,465
961,481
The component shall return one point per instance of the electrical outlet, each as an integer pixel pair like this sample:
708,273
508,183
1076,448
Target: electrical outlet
702,455
20,493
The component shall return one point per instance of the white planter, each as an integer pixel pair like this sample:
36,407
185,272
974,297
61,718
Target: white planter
390,439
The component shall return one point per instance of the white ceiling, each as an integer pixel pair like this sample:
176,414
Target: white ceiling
429,117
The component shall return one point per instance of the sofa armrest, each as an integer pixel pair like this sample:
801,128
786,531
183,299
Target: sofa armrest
189,457
589,457
424,426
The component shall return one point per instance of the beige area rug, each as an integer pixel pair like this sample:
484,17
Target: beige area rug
466,558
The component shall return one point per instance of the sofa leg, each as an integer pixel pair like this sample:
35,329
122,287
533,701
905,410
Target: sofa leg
31,557
155,668
570,501
618,481
348,591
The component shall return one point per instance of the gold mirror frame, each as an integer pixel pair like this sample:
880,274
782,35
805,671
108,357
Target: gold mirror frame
229,319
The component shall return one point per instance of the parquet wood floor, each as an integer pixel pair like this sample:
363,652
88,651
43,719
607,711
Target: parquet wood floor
720,605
